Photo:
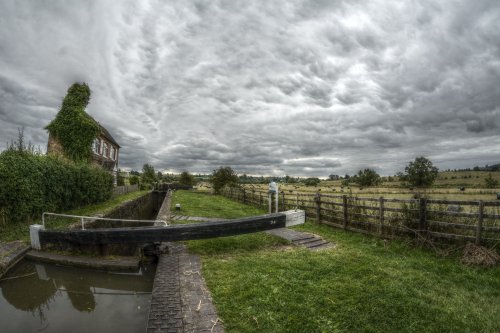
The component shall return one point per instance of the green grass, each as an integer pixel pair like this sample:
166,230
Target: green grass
208,205
20,231
260,284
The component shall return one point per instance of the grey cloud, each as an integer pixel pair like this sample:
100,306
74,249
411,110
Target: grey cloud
297,87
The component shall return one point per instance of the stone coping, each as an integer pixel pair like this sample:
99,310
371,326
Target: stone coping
114,263
10,254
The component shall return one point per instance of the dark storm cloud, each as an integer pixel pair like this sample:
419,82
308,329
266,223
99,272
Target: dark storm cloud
281,87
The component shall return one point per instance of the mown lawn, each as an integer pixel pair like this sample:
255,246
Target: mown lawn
261,284
208,205
20,231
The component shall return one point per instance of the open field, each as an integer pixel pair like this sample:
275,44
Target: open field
363,285
327,187
447,186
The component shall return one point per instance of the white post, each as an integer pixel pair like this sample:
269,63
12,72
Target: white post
270,203
35,237
294,217
276,195
83,224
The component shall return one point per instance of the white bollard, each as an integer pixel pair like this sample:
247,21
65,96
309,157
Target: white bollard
34,236
294,217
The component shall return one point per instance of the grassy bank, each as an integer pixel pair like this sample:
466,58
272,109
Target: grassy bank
208,205
21,230
260,284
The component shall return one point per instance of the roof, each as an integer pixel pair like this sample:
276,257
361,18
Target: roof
105,132
108,135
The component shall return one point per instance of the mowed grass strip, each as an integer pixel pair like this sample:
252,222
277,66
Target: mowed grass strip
209,205
363,285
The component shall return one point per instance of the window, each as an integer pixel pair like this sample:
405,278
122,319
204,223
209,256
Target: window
96,146
113,153
106,149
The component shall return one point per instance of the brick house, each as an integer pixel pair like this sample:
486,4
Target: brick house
105,150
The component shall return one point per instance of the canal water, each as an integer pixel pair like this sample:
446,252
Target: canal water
38,297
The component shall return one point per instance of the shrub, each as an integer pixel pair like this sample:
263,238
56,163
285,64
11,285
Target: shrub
148,176
133,180
490,182
31,184
367,177
311,181
186,179
222,177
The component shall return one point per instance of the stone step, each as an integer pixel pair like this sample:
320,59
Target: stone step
307,241
316,244
327,245
303,238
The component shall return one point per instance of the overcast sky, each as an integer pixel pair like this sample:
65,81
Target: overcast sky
266,87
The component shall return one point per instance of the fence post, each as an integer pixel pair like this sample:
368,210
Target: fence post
244,196
283,207
260,199
480,222
296,200
317,199
344,206
422,223
381,215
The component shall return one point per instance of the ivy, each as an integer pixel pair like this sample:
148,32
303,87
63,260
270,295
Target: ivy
73,127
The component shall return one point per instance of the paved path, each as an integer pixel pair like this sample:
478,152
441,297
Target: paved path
303,239
181,301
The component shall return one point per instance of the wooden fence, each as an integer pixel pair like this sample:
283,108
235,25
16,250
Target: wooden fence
119,190
473,221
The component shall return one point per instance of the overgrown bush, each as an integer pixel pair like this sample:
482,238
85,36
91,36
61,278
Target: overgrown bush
367,177
31,183
312,181
74,128
224,176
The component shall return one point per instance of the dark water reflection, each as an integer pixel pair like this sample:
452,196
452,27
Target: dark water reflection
50,298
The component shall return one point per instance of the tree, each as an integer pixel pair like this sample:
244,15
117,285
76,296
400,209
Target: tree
490,182
222,177
420,173
148,176
120,180
133,180
367,177
186,178
311,181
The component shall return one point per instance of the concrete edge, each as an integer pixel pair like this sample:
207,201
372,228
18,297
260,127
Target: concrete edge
116,264
12,259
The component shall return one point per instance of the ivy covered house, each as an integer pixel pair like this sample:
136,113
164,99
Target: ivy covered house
105,149
79,137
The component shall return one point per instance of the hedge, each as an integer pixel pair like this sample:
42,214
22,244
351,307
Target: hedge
32,183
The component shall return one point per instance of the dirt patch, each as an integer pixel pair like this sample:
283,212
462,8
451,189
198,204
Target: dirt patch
479,255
